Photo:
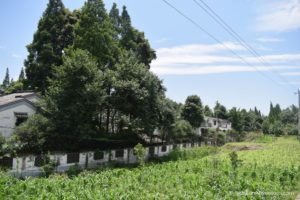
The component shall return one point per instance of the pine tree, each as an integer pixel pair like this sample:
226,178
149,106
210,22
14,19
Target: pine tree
95,32
115,20
132,39
6,81
22,75
54,33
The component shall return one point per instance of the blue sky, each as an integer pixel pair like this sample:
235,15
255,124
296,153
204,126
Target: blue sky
188,60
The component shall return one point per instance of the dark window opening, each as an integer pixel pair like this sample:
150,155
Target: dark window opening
215,122
119,153
163,148
21,117
6,162
98,155
184,145
151,151
73,158
175,146
39,161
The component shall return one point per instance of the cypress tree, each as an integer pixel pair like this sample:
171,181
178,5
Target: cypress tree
115,20
6,81
22,75
95,32
132,39
54,33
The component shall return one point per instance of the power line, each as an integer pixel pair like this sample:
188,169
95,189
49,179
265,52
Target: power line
217,40
234,34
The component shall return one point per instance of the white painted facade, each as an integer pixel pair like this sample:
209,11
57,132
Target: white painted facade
26,166
214,123
13,105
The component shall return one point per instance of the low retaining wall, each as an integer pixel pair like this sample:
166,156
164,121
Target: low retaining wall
30,165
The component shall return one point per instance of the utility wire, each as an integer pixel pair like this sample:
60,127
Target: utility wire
234,34
218,41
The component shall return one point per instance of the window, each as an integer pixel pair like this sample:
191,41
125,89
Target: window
215,122
175,146
39,161
120,153
184,145
151,151
73,158
6,162
163,148
21,117
98,155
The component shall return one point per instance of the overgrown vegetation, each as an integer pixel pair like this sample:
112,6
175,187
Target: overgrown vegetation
272,172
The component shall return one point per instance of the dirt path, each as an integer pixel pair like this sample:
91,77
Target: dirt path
298,197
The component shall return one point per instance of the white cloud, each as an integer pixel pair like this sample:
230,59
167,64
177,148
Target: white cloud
186,70
291,74
280,16
208,59
161,40
16,56
269,39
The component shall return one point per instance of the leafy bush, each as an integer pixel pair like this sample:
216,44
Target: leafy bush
74,170
182,129
140,152
276,128
291,129
32,134
49,165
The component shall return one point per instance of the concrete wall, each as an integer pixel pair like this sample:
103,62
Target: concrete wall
8,118
25,165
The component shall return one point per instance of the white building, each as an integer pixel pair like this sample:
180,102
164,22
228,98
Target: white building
14,109
213,123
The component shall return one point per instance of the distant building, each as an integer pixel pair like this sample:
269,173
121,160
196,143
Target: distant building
14,109
213,123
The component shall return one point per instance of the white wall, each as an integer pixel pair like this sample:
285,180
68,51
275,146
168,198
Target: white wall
8,118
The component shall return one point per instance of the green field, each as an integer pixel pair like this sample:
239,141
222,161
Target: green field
270,169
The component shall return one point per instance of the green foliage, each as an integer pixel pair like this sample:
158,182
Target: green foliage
234,160
201,176
276,128
46,49
182,129
94,33
6,80
208,112
192,111
74,170
32,134
74,95
14,87
133,40
48,166
220,111
140,151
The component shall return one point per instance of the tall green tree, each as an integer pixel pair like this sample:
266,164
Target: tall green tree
115,18
208,112
237,120
134,40
137,92
95,33
54,33
220,111
6,81
192,111
76,90
22,75
274,113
